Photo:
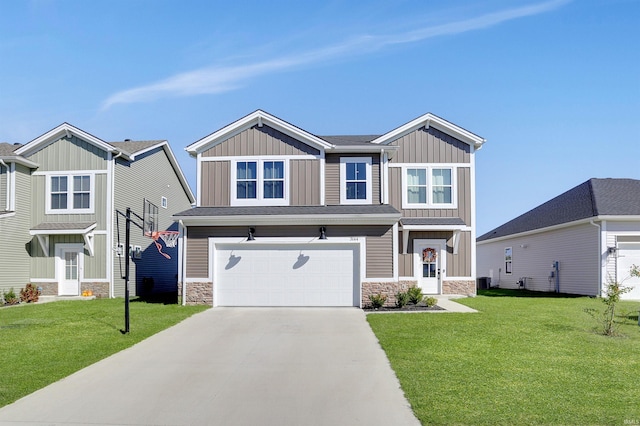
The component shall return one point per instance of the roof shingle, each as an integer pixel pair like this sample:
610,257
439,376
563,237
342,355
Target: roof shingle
595,197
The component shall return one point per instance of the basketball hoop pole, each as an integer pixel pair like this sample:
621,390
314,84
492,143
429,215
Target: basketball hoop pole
127,240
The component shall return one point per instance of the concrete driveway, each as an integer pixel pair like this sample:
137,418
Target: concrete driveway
233,366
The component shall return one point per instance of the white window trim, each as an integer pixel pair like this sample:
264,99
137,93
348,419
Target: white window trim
429,204
69,176
259,200
343,179
163,202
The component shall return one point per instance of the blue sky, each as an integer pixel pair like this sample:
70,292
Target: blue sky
554,86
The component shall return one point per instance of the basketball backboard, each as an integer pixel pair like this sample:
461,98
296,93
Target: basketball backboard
149,218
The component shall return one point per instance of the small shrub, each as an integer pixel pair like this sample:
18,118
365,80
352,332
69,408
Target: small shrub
30,293
402,298
377,300
431,301
10,297
415,295
607,318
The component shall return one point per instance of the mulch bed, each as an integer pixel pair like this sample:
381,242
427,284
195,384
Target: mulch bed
407,308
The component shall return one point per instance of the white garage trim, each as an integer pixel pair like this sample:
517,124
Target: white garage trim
355,242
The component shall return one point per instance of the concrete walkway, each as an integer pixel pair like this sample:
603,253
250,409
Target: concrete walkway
449,305
233,366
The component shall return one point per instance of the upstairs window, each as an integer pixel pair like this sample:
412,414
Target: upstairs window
356,180
417,186
68,194
247,180
260,182
428,187
273,182
58,192
441,186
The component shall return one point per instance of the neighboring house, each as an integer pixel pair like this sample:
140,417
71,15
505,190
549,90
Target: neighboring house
58,199
575,243
288,218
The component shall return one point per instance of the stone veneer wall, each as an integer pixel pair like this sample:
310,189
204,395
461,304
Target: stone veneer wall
388,289
48,289
200,293
99,290
467,288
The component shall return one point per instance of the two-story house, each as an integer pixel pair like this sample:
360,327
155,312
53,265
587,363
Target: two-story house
59,200
288,218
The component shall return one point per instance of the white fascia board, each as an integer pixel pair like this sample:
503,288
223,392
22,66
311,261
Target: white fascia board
435,228
603,218
20,160
430,120
63,130
374,149
323,219
556,227
63,231
258,117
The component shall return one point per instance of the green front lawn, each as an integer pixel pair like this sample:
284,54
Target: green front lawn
42,343
521,360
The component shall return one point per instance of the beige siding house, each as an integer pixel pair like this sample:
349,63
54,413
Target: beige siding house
287,218
575,243
61,205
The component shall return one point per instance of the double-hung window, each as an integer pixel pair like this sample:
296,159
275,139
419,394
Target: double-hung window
69,194
246,180
428,187
356,180
260,182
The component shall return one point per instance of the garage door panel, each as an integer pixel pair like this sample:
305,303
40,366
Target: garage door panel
629,255
287,275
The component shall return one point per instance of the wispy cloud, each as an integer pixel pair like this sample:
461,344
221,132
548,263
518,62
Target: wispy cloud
218,79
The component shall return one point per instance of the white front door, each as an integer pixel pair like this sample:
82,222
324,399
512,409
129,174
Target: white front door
428,258
69,268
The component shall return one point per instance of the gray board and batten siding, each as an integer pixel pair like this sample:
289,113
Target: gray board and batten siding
65,156
332,177
260,141
379,244
463,210
14,250
458,265
304,183
150,176
430,146
304,173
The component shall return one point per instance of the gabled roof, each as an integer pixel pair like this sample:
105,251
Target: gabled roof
63,130
258,118
350,139
7,149
131,149
591,199
8,155
431,120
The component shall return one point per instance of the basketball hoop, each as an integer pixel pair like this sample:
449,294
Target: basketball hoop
170,239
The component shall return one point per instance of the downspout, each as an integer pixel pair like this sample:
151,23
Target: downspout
2,163
183,274
112,195
599,256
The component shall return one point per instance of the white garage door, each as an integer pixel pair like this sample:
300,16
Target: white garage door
629,254
254,274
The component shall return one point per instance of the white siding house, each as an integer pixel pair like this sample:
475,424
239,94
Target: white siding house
575,243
